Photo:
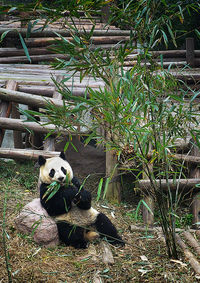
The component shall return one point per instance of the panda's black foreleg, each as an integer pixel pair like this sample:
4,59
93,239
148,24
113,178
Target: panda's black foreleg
106,229
71,235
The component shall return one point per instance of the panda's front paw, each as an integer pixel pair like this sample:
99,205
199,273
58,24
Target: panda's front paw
84,200
76,183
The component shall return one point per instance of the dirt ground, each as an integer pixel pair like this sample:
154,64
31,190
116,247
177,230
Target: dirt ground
143,259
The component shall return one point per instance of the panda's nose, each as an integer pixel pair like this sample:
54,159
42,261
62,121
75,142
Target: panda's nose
60,179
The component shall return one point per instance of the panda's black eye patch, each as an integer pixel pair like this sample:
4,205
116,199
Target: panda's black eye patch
52,172
64,170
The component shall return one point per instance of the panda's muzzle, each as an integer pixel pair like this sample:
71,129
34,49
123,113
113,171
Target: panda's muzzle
61,179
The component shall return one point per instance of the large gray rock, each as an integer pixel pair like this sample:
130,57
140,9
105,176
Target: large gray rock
34,220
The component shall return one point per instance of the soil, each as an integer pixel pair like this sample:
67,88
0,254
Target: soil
143,259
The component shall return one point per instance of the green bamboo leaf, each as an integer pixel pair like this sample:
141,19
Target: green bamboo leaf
84,182
74,146
194,96
181,12
28,31
99,189
137,210
66,146
146,205
197,32
53,190
106,187
165,38
172,35
24,47
4,34
29,115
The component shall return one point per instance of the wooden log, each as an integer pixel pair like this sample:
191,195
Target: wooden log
47,91
21,125
26,153
183,183
183,157
173,53
187,158
38,42
96,40
34,58
26,98
5,107
11,51
44,82
37,90
135,228
189,75
192,241
64,32
190,257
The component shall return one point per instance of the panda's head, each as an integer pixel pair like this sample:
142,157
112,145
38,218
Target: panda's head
54,169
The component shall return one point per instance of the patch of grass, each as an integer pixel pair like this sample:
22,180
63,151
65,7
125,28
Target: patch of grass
25,174
134,216
184,220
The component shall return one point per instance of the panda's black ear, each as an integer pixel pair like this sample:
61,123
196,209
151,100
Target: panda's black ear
41,160
62,155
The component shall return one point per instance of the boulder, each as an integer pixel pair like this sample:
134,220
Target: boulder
34,220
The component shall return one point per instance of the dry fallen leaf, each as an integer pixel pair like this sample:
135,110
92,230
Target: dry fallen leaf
144,258
178,261
144,271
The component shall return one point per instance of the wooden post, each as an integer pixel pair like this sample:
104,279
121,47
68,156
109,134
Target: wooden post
35,139
6,107
17,135
49,143
148,217
195,173
113,193
105,13
190,57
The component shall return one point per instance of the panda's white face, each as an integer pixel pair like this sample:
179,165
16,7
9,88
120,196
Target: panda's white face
55,169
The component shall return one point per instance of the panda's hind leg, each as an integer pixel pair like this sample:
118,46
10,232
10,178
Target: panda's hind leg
106,229
72,235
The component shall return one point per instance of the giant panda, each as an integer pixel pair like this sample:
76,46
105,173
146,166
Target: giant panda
77,221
